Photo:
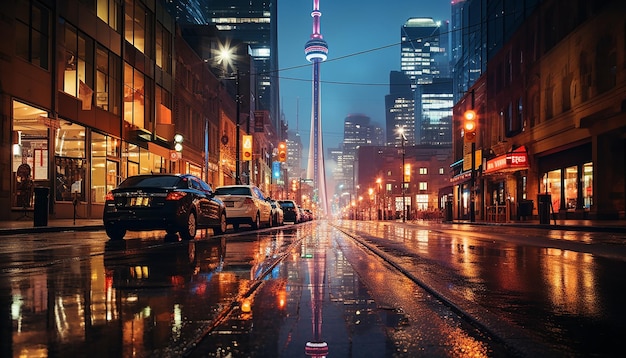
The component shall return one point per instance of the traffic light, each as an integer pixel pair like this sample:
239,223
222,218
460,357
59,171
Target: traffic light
246,147
178,143
282,151
294,184
469,126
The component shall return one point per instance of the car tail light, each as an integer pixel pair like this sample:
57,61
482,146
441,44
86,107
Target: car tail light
109,197
175,195
248,201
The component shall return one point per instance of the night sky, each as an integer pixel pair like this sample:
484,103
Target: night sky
364,46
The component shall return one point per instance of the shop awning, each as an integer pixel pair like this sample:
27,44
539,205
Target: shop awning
509,162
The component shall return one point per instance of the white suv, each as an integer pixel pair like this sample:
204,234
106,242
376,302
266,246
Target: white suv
245,204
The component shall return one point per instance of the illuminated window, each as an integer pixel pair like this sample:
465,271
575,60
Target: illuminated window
108,80
137,27
104,166
423,185
163,56
78,63
441,171
571,187
423,171
110,11
134,96
587,185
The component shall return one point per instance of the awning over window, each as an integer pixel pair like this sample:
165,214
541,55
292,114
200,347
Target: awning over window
509,162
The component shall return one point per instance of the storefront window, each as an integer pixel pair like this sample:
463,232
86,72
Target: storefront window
104,171
587,185
571,187
421,200
29,151
69,162
554,188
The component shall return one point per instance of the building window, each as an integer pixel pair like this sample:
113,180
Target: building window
421,200
78,62
423,185
441,171
137,27
552,186
69,159
32,33
587,185
110,11
423,171
29,152
134,96
163,49
104,165
108,80
571,187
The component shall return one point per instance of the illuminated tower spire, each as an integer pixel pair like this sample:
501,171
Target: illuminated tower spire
316,50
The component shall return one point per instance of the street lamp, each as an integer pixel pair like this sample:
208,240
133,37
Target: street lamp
403,138
226,57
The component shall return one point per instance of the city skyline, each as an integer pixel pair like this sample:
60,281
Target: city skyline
356,75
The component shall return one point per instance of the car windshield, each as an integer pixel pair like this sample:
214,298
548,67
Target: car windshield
233,191
148,181
287,204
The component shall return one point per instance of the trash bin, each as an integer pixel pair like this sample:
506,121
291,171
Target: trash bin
40,211
543,208
525,209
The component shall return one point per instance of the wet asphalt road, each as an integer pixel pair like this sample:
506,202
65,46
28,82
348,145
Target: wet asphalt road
311,290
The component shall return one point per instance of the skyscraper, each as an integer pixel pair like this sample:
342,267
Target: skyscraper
420,50
253,22
316,51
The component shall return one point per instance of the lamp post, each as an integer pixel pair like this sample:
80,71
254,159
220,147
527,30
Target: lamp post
403,138
237,135
379,212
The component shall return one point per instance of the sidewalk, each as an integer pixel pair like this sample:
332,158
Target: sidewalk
26,226
617,226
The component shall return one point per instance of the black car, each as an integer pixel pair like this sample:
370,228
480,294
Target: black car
290,211
175,203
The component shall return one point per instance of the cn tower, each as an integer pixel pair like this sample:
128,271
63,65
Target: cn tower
316,51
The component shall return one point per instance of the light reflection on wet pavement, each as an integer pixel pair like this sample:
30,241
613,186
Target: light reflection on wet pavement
304,290
331,298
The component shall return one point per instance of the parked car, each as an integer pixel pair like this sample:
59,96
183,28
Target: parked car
278,215
310,214
176,203
304,216
245,204
290,211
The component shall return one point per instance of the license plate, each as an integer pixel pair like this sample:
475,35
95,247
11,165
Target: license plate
229,204
139,201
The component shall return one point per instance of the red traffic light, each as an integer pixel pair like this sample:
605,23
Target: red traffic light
282,151
469,126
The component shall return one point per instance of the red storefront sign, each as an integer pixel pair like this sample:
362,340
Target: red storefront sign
513,161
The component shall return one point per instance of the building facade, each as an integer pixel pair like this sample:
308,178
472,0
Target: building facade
425,174
551,119
88,99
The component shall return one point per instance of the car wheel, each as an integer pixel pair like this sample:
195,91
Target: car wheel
257,222
222,227
115,233
189,232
